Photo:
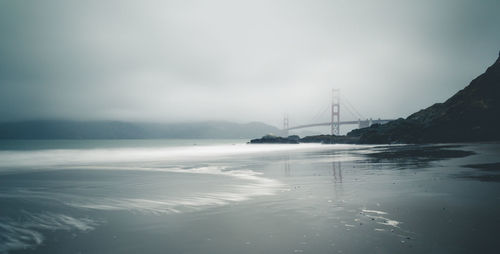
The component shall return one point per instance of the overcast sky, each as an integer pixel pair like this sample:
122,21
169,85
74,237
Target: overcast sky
238,60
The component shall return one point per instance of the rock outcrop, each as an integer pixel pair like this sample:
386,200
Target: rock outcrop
273,139
294,139
329,139
472,114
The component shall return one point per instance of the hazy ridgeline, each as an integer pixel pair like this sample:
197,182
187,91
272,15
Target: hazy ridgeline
130,130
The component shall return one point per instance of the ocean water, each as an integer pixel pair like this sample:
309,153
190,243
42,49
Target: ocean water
226,196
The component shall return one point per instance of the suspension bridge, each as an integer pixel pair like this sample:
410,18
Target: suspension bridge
335,121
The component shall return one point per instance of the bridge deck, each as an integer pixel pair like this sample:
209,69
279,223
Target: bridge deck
382,121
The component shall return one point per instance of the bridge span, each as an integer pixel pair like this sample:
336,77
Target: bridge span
335,121
360,123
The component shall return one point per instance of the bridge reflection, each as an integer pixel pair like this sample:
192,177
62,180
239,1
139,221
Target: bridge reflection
335,170
286,164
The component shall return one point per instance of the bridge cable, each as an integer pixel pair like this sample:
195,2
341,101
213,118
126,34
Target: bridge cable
349,104
349,110
319,114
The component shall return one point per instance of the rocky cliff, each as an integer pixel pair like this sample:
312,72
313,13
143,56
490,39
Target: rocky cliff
472,114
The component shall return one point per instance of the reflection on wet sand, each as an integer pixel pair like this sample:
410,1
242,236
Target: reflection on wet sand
337,171
286,165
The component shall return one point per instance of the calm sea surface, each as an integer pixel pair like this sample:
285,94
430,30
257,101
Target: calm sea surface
225,196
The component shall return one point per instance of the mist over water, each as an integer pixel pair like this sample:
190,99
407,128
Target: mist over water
145,180
79,157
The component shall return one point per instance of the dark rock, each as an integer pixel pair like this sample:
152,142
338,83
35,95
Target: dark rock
294,138
470,115
272,139
330,139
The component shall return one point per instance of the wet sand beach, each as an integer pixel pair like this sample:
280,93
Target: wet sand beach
251,199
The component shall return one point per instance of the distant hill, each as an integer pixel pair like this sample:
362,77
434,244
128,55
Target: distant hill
472,114
49,129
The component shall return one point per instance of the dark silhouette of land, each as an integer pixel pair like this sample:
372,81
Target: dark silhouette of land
63,129
471,115
294,139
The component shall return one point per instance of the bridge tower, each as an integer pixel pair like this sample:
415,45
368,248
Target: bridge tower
286,124
335,122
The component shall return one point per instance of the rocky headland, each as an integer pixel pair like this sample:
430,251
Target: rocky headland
294,139
273,139
471,115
